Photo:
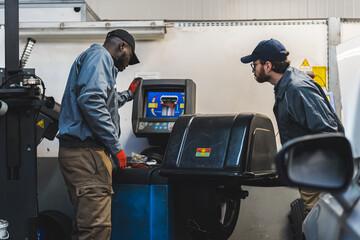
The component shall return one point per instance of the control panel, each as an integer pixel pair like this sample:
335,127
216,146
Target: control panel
159,127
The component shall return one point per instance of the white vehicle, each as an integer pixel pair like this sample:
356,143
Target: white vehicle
324,162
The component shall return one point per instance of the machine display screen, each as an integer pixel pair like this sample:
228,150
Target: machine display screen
164,104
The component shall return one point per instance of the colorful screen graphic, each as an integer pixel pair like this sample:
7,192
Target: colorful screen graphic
165,104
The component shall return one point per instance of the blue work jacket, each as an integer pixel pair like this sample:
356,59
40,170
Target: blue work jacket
301,107
89,109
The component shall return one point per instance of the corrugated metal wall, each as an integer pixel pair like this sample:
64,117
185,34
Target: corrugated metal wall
224,9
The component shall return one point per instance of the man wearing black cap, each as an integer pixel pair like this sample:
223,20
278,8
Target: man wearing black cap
89,131
301,106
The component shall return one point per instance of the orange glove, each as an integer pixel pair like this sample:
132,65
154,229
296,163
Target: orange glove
121,156
134,85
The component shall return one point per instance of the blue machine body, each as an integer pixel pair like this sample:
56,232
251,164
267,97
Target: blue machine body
142,207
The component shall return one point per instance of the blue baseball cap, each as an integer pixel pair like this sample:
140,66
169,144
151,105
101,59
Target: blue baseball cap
267,50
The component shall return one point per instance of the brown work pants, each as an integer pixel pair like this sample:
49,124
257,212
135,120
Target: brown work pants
309,198
87,174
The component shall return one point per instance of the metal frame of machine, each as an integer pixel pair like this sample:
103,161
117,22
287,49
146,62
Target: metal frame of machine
19,132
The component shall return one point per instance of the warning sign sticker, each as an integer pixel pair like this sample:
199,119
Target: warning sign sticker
41,123
305,65
203,152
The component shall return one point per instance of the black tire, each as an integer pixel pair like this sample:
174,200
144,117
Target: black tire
198,210
154,153
156,156
296,218
54,225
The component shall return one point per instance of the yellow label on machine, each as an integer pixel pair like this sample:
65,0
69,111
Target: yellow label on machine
320,75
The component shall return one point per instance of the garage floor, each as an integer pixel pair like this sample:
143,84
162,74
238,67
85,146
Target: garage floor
263,214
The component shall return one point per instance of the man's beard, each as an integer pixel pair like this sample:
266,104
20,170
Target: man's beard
262,77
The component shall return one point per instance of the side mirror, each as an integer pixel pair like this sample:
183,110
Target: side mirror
320,162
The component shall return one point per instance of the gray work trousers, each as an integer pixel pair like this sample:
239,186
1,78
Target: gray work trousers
87,174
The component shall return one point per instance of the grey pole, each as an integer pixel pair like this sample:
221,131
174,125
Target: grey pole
334,38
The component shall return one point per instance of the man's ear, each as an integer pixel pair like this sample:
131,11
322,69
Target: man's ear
121,46
268,66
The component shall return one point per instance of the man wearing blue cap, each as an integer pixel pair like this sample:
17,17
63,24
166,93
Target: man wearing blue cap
89,131
301,106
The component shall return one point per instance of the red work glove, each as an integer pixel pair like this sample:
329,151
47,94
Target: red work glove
134,85
121,156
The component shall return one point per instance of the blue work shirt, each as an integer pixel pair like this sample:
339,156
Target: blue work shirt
301,107
89,109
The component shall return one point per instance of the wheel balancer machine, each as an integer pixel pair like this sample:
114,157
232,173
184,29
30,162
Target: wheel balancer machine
195,190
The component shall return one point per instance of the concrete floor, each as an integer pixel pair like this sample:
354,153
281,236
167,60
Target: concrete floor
263,214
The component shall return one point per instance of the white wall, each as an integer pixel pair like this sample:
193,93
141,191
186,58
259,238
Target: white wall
350,29
224,9
208,55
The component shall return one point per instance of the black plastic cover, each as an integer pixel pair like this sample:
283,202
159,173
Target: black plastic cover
241,146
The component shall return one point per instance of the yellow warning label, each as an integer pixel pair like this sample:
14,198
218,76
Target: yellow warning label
181,105
152,105
320,75
40,123
305,65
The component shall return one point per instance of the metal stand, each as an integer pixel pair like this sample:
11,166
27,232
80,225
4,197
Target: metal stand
18,136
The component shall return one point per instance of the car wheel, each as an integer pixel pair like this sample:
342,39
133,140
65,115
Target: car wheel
206,210
296,218
303,237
